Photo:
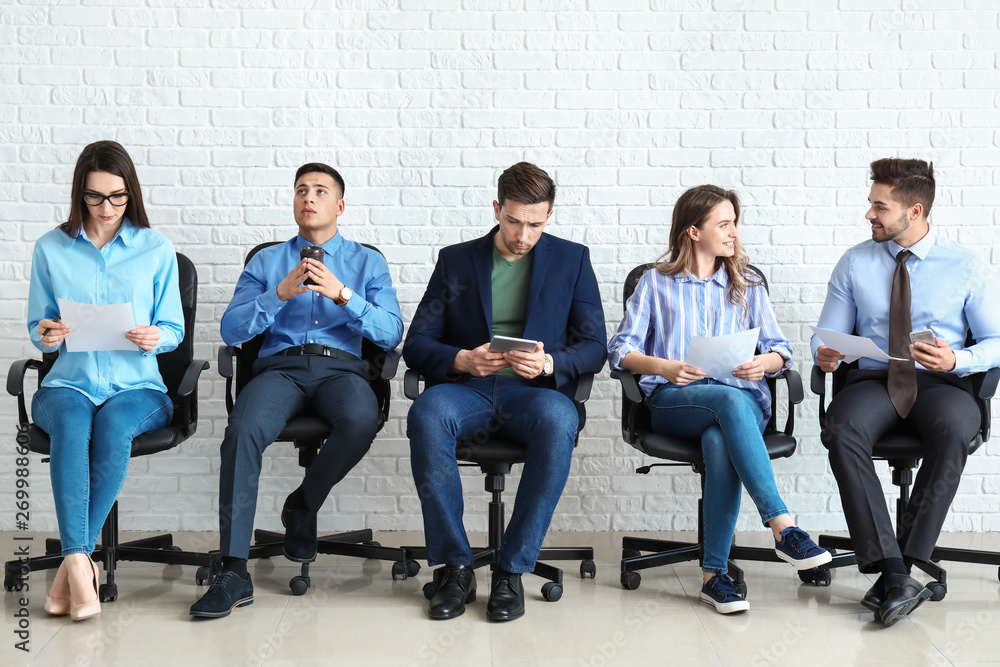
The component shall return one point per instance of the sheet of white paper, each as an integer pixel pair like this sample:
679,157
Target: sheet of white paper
718,356
852,347
97,327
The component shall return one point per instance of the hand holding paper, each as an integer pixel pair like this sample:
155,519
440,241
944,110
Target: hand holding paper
95,328
718,356
852,347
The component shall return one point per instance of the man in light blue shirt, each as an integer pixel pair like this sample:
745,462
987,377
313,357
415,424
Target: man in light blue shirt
941,286
314,313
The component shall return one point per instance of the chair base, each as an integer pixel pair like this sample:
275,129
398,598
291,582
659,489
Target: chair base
669,552
354,544
156,549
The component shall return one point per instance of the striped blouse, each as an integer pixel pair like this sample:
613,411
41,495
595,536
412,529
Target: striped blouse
665,311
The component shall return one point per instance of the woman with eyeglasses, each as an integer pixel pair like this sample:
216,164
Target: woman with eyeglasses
702,287
92,403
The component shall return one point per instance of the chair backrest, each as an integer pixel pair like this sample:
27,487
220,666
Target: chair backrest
370,352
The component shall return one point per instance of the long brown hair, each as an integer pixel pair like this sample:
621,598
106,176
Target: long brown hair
691,210
111,157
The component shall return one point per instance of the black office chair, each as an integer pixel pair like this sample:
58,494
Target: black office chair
307,432
180,373
637,431
495,457
902,450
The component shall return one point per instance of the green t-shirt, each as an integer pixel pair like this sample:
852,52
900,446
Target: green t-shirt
510,291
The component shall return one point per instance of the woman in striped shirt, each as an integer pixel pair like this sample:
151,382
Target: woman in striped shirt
704,289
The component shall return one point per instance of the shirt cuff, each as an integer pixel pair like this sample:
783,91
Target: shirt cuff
355,305
963,360
269,301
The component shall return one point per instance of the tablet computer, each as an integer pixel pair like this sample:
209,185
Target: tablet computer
506,344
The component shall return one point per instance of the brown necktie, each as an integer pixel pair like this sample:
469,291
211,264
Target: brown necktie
902,374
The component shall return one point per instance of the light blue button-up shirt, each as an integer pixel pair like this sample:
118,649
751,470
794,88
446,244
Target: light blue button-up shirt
372,312
139,266
952,292
665,312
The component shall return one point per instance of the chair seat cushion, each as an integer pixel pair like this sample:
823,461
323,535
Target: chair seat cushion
150,442
494,450
306,427
685,450
897,446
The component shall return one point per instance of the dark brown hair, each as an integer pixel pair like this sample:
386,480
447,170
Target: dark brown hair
526,184
691,210
912,181
106,156
320,168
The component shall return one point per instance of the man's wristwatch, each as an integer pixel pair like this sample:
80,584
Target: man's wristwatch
547,368
344,296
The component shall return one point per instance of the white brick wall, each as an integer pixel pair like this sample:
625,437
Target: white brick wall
421,103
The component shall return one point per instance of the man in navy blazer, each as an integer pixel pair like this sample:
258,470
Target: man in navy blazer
518,282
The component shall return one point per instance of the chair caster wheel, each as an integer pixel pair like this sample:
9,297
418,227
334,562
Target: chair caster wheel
299,585
631,580
412,568
400,571
938,590
588,567
430,588
552,591
741,586
108,592
817,576
630,553
203,576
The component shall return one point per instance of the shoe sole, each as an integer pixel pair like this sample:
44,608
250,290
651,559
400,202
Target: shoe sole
871,606
725,607
295,559
905,608
806,563
219,614
501,619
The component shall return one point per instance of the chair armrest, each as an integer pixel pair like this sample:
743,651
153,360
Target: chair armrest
190,380
583,387
817,381
411,384
986,390
390,365
793,382
630,385
15,385
15,376
226,355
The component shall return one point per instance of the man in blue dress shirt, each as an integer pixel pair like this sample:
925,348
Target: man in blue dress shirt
313,314
935,284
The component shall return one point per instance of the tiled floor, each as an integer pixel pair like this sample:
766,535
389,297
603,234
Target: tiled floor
356,614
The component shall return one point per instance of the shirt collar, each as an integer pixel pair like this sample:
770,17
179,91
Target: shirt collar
921,248
126,232
721,276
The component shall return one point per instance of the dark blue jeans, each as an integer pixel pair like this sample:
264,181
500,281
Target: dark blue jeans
543,419
90,450
282,388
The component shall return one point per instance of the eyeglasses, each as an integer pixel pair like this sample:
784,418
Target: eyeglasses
94,199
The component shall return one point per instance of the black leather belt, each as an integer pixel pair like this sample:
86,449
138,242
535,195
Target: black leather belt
317,350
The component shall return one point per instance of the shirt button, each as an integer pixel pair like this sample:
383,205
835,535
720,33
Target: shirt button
316,322
102,269
104,375
101,295
310,341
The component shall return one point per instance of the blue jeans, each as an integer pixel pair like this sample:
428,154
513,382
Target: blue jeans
730,424
544,420
90,450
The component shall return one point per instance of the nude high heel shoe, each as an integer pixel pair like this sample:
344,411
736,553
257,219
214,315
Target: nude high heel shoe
53,605
82,610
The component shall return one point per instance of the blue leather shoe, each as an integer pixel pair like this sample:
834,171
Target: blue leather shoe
228,591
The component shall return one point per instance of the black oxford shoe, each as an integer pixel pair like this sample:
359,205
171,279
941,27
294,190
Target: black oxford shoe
507,598
456,588
875,596
903,594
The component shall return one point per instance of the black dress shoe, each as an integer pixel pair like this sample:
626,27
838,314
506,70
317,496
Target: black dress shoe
903,594
300,534
876,594
507,597
456,587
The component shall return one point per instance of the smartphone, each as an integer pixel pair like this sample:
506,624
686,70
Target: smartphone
923,336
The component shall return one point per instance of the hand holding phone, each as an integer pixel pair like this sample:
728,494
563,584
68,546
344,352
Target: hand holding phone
922,336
